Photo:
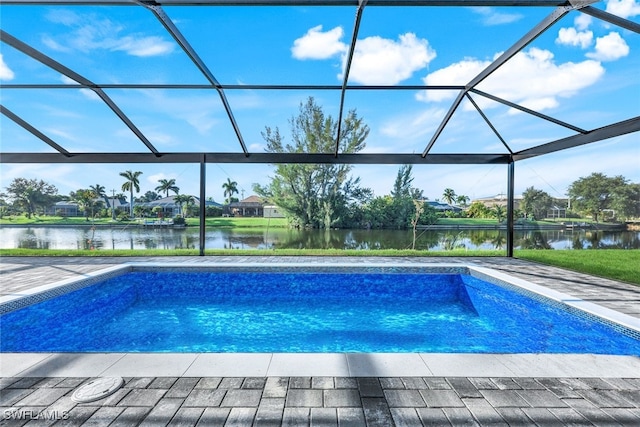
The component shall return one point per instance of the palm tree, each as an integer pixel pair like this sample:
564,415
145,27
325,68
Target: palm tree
188,200
179,200
167,185
99,192
499,212
98,189
462,200
449,195
86,200
230,188
130,184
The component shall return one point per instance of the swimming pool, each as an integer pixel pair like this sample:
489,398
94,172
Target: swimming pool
294,309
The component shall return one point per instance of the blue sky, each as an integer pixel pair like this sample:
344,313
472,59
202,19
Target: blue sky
582,70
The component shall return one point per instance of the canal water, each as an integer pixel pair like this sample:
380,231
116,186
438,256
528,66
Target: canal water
132,237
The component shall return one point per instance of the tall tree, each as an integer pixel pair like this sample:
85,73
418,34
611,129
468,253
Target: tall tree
594,193
230,188
402,184
86,199
167,185
99,190
183,201
462,200
313,194
148,196
30,194
132,183
449,195
535,203
499,212
626,201
402,207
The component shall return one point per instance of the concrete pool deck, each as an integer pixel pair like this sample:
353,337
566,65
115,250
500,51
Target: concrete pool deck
328,389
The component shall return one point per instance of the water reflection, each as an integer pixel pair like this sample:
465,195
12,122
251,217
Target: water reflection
437,240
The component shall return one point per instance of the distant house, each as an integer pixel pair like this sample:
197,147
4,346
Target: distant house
171,208
443,207
272,211
499,200
115,202
251,206
63,208
559,208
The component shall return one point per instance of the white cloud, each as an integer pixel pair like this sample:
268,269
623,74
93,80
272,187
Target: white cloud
571,37
623,8
92,32
144,46
491,17
531,78
5,72
61,133
388,62
316,44
376,60
256,148
412,127
582,21
459,73
54,45
609,48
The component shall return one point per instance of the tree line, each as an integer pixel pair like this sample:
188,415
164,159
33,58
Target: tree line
327,196
32,196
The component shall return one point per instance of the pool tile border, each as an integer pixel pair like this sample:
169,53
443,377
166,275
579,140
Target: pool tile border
38,294
621,322
195,365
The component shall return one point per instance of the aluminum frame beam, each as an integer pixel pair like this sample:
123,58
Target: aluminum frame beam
528,111
536,31
446,3
55,65
264,158
195,58
611,18
347,69
28,127
488,122
611,131
222,86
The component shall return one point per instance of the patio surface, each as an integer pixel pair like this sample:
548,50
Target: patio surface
325,389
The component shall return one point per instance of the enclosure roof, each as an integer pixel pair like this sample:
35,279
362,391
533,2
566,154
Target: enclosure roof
192,81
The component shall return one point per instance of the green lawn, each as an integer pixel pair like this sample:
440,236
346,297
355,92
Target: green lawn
616,264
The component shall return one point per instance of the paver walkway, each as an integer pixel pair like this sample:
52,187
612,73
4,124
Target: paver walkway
328,401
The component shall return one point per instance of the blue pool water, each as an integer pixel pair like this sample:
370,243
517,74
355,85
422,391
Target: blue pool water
303,312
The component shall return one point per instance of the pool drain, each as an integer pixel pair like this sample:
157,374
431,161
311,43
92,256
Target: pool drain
97,389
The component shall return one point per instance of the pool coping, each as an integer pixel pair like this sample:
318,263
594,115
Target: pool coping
324,364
